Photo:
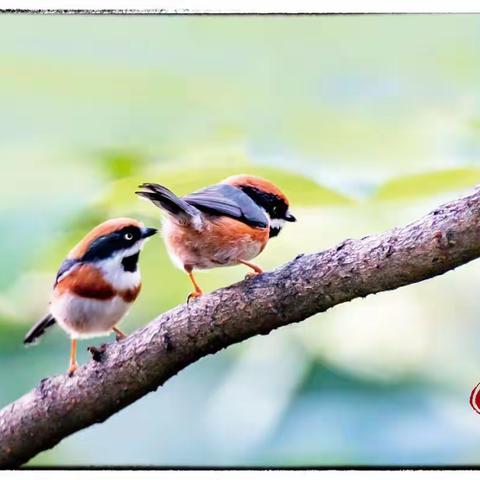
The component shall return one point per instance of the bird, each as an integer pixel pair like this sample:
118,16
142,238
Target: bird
96,284
225,224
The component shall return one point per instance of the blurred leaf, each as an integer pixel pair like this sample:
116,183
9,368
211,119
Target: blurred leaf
475,123
411,187
120,163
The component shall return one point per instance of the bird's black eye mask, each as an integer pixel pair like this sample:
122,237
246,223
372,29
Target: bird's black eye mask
107,245
275,206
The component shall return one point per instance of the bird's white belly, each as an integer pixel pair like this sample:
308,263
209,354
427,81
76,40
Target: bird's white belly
84,318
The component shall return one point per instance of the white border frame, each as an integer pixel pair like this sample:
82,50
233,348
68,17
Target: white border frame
244,6
237,7
240,475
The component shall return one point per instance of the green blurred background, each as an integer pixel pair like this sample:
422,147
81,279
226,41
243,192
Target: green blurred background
366,122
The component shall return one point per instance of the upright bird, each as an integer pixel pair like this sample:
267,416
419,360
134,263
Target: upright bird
96,283
225,224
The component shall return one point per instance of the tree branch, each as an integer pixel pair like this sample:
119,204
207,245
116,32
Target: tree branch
123,372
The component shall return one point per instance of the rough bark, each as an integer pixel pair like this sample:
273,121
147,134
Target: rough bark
125,371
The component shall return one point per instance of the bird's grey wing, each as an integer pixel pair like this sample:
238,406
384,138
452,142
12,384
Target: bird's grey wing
67,265
226,200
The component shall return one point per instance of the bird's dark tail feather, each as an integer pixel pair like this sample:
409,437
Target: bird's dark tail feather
39,329
164,198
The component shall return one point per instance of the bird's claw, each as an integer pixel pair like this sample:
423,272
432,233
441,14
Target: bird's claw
72,369
193,296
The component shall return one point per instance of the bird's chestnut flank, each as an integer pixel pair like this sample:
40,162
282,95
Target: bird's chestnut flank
221,225
96,283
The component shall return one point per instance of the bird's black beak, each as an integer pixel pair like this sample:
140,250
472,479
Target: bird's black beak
290,218
148,232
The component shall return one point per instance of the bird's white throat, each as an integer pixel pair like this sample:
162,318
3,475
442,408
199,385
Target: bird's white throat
115,273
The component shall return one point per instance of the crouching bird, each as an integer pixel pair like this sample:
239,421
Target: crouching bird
96,283
225,224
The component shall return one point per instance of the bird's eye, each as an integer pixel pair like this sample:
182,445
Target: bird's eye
128,236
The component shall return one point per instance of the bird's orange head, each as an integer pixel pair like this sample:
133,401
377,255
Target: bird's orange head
267,196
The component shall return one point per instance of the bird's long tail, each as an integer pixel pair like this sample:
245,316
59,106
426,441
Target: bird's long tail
39,329
165,199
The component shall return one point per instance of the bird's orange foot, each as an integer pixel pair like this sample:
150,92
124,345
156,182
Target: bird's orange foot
252,275
198,291
73,357
72,369
256,269
119,335
194,295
